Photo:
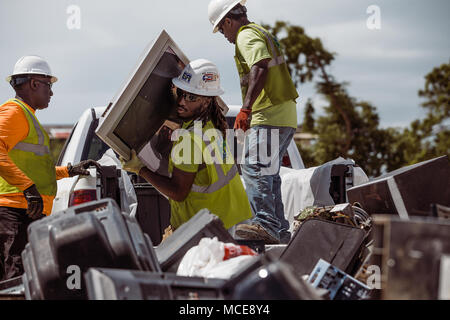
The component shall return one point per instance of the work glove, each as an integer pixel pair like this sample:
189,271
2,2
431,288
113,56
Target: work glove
133,165
242,120
81,168
35,204
167,233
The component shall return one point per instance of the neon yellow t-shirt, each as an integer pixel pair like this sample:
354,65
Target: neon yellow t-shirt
229,202
253,48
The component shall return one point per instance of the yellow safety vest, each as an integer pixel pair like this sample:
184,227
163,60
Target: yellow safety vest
32,156
279,86
217,186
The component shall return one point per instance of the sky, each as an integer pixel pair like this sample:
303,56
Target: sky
93,49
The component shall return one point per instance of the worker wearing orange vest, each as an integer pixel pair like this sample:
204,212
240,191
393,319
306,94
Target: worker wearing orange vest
27,172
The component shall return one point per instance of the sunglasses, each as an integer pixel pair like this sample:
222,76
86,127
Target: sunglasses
44,82
189,97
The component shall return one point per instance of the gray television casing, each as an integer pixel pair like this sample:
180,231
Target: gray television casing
142,105
408,191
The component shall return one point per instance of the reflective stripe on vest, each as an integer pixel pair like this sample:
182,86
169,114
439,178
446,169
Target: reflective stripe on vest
223,179
220,183
278,87
39,149
32,157
277,59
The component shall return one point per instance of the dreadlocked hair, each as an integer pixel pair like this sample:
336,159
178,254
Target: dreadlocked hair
214,113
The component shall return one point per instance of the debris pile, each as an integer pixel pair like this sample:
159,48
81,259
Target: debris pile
390,240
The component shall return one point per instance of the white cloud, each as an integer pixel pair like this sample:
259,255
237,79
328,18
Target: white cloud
93,62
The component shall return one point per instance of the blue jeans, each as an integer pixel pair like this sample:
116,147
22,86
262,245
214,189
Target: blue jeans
265,147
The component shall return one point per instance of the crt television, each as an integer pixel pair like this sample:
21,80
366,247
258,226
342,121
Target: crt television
142,115
145,101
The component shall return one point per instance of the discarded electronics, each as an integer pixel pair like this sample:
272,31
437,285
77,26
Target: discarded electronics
143,115
264,277
257,245
261,278
12,288
324,185
409,191
338,234
130,284
414,257
113,284
108,180
203,225
340,285
153,211
65,244
115,183
247,269
341,180
275,281
440,211
144,103
275,250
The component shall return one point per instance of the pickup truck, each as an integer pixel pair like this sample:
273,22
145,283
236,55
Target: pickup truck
153,210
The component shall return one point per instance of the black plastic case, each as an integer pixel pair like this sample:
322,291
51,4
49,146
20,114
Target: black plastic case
95,234
114,284
339,244
275,281
202,225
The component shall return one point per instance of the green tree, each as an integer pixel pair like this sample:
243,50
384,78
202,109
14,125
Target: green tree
434,129
308,124
429,137
349,127
307,58
437,93
368,147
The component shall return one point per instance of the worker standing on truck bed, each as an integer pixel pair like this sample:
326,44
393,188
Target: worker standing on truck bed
269,109
204,174
27,172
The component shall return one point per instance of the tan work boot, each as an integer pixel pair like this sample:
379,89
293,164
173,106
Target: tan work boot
255,232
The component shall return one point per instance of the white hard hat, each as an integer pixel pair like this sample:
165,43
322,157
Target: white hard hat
200,77
32,65
218,9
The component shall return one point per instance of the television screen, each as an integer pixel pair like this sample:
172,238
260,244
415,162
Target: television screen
153,105
143,115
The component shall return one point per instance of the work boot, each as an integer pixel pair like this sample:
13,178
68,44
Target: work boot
255,232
